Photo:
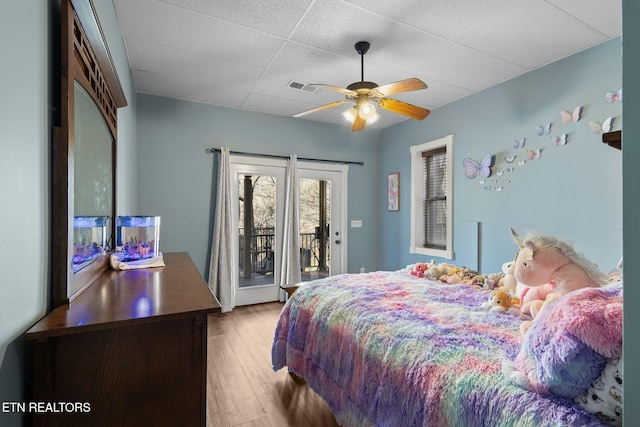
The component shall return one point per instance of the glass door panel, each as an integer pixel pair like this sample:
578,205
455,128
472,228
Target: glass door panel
256,229
315,214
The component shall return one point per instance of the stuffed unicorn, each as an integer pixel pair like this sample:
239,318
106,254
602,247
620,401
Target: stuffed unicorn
545,260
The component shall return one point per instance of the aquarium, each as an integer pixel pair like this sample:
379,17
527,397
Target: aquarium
89,239
137,237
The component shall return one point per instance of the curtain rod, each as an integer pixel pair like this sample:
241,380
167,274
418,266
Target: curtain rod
275,156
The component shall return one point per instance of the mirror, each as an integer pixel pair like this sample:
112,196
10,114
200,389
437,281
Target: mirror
92,182
84,152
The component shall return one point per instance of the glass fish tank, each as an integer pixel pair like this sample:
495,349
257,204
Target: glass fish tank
137,237
89,239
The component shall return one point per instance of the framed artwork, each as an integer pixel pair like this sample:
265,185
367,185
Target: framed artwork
393,191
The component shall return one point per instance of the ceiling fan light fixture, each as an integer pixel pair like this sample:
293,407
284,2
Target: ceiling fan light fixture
366,110
350,114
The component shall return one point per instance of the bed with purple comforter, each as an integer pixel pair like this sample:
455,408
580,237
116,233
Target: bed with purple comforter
391,349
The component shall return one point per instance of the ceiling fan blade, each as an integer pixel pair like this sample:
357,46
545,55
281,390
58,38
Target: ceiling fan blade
403,108
401,86
333,88
358,123
322,107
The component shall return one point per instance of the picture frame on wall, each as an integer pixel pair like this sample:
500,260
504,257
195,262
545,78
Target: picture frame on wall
393,191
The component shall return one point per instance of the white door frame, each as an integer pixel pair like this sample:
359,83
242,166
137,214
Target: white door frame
243,165
337,175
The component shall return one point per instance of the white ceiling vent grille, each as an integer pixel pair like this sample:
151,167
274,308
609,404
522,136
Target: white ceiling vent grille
293,84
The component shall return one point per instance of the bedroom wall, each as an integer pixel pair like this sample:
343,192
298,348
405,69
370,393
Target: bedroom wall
176,175
573,191
29,107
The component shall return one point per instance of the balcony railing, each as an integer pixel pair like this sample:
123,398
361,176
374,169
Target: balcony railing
261,256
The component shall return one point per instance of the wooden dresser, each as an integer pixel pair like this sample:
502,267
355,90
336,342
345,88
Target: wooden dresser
130,350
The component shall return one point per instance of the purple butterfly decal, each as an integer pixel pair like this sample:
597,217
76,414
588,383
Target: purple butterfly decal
541,130
473,168
614,96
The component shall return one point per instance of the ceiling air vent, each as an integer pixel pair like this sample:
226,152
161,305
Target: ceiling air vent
293,84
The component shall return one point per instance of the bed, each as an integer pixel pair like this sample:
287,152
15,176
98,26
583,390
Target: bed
392,349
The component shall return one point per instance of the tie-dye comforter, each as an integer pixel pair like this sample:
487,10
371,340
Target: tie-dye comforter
391,349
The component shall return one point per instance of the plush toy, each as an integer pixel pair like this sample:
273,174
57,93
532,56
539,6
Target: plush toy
501,301
439,270
546,260
419,269
508,281
492,280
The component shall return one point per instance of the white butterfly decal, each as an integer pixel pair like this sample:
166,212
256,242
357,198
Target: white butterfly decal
541,130
534,155
521,162
604,127
575,116
614,96
518,143
498,188
559,140
472,168
499,173
510,159
510,169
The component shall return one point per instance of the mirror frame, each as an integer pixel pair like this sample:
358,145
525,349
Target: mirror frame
85,58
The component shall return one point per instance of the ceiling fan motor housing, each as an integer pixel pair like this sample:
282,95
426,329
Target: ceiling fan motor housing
362,47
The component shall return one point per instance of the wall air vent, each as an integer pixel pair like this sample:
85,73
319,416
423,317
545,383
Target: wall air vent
293,84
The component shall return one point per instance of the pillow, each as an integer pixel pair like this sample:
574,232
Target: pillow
570,342
604,397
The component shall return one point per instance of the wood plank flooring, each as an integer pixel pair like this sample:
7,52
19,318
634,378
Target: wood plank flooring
242,389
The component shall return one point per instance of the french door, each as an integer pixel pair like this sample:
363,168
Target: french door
258,195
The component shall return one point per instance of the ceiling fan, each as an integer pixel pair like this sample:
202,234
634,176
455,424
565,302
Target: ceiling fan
368,95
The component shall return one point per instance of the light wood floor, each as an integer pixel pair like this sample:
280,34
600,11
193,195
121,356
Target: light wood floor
242,389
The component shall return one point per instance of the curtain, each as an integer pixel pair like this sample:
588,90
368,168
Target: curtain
221,268
290,266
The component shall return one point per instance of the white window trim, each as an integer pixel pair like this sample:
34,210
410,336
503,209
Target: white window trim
417,198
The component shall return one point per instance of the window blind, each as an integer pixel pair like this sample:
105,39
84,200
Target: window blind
435,198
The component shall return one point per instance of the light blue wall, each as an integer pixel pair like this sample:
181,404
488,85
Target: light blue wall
176,175
573,191
24,189
29,108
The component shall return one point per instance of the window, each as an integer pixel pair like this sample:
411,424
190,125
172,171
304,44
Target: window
432,199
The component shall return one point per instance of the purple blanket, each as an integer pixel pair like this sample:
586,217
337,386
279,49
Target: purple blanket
390,349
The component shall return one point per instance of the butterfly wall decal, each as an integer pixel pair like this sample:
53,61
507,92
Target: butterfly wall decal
518,143
534,154
613,96
473,168
541,130
604,127
510,159
568,117
559,140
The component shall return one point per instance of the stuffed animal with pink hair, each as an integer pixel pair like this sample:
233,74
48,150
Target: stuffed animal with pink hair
546,261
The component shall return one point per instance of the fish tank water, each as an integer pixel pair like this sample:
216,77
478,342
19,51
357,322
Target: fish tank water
89,239
137,237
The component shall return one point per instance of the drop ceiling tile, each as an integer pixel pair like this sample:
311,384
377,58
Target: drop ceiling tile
466,68
444,18
530,33
336,26
604,16
173,26
207,71
276,17
320,66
